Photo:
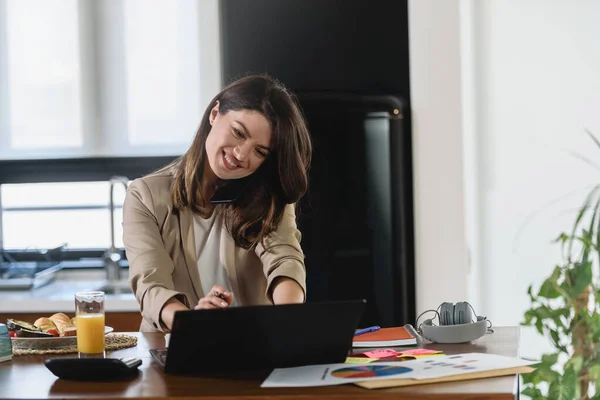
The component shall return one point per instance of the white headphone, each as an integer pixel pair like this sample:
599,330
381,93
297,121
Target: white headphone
456,324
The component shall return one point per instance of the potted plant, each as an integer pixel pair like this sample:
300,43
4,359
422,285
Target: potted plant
565,309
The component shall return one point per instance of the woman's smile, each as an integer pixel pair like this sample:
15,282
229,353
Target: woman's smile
238,142
230,162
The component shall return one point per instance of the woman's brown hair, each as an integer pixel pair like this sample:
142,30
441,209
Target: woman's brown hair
281,179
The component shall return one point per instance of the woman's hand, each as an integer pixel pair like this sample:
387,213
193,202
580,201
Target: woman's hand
218,297
168,312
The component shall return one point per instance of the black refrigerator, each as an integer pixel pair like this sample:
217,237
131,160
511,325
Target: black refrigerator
347,61
356,220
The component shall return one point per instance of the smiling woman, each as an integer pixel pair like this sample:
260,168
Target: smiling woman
184,251
239,142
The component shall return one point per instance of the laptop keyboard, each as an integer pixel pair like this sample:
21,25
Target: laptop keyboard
160,355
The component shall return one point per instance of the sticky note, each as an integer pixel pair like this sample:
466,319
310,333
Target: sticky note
360,360
381,353
403,357
419,352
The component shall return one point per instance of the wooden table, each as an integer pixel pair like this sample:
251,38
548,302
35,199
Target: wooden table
26,377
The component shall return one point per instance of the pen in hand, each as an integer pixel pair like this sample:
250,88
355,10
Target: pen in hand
219,295
365,330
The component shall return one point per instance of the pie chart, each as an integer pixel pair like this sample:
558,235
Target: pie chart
369,371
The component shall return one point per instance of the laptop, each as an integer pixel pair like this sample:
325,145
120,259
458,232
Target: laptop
260,337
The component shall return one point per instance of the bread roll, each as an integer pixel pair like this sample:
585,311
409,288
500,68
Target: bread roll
62,321
45,324
60,317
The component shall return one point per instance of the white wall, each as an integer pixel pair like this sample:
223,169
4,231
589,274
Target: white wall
537,87
436,102
501,93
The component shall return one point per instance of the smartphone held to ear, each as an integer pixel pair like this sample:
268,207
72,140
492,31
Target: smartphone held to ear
230,191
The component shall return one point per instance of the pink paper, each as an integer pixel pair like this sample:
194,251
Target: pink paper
419,352
381,353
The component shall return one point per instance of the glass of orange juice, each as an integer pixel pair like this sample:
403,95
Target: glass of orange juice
89,320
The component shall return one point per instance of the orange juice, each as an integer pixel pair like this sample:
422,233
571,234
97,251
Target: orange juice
90,333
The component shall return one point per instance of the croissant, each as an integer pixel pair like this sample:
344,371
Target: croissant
45,324
62,321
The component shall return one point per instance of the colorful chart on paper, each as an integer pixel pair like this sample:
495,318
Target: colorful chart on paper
369,371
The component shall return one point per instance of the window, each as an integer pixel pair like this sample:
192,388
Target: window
86,81
81,78
43,75
46,215
157,32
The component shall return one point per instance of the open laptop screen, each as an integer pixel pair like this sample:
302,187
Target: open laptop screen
258,337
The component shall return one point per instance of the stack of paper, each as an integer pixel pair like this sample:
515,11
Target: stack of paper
386,374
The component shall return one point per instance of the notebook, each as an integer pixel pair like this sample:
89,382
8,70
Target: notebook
385,337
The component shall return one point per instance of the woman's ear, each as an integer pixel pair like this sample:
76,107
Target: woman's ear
214,112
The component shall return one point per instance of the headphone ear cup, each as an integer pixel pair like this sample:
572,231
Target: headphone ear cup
468,314
462,313
447,314
442,314
457,314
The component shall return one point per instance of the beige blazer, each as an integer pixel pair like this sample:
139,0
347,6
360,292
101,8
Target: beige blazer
160,247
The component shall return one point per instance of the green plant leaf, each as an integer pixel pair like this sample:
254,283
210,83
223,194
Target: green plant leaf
558,315
560,391
530,293
561,312
593,221
539,326
582,277
589,247
544,312
564,388
529,315
550,358
595,327
532,392
598,239
595,377
577,278
575,363
555,338
549,289
562,238
528,377
543,372
582,211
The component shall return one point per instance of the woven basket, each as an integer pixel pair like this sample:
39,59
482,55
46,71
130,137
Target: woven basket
114,341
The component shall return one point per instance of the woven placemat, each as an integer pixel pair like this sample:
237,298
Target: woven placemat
114,341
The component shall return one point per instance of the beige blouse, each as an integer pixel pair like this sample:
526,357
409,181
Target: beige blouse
161,251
